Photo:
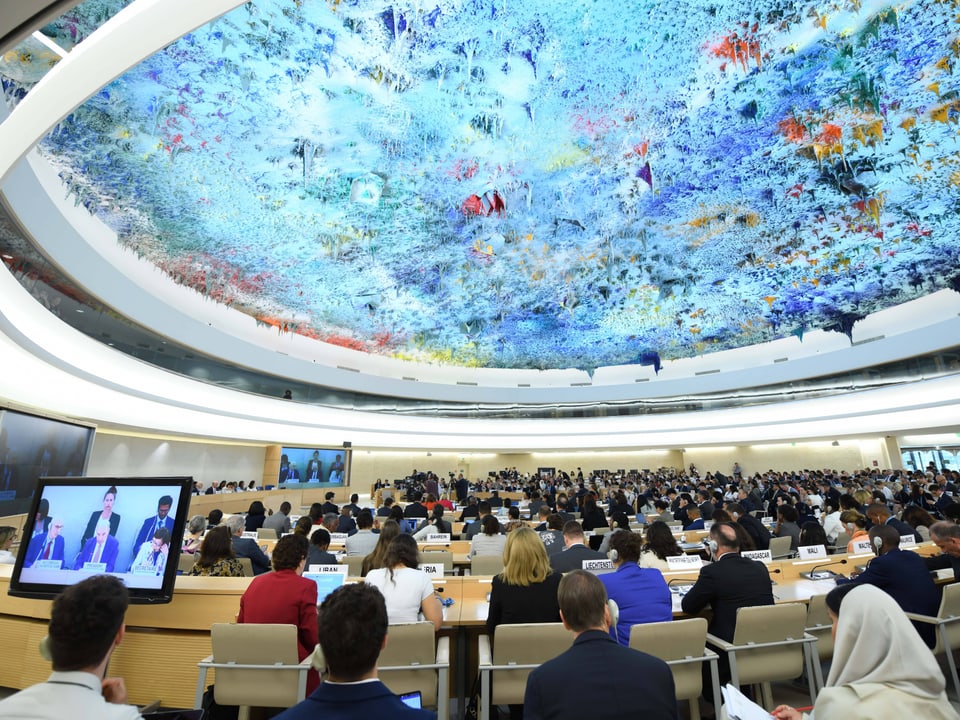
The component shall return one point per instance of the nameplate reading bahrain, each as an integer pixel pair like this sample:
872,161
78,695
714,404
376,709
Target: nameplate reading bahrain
862,546
594,565
684,562
764,556
811,552
434,570
438,539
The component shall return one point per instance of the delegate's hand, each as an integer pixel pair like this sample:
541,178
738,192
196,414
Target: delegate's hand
114,690
785,712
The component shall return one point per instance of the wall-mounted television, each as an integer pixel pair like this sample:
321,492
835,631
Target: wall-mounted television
320,466
128,527
32,446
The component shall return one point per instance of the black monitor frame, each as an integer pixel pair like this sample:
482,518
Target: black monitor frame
179,488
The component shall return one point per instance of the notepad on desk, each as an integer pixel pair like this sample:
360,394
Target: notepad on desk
739,707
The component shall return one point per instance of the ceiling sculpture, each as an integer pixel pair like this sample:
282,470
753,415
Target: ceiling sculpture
532,184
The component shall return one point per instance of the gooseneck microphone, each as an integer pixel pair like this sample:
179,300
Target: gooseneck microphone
814,569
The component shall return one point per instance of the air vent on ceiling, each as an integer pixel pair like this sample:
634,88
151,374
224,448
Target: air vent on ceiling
868,340
708,372
523,384
464,382
348,369
780,360
641,380
409,378
586,384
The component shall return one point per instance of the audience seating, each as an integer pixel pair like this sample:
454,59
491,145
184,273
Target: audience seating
439,556
682,644
517,649
354,564
256,665
820,626
780,548
410,663
486,565
947,623
247,564
266,534
770,644
186,562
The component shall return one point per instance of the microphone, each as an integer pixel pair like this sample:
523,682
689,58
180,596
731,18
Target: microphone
811,575
688,581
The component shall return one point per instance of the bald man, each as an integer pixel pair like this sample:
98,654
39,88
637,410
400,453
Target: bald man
727,584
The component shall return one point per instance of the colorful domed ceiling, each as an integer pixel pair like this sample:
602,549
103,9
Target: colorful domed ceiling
533,184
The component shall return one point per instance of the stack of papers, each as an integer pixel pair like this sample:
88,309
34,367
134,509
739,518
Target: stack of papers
739,707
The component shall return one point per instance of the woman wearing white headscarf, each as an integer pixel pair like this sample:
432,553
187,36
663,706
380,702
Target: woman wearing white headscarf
881,667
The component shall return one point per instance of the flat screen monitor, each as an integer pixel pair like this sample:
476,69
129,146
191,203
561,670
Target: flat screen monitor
128,527
318,466
32,446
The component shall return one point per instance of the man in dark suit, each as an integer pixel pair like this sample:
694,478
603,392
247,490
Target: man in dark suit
329,506
155,522
247,547
574,551
353,631
101,548
946,536
903,575
879,514
727,584
623,683
755,529
474,528
462,488
416,509
46,546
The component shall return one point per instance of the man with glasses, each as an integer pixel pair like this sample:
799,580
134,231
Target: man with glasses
46,546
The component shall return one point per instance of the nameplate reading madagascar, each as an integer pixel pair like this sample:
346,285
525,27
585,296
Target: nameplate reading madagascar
763,556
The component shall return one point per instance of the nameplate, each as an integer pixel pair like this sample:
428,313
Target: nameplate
908,542
145,571
342,569
94,567
809,552
252,534
862,546
338,537
434,570
707,524
684,562
438,538
594,565
767,520
48,564
764,556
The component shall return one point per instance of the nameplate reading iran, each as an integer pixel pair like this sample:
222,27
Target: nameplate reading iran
597,565
438,538
342,569
434,570
811,552
764,556
862,546
684,562
908,541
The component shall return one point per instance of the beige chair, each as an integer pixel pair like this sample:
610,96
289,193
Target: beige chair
266,534
517,649
769,644
486,565
780,548
439,556
843,539
682,645
187,561
947,623
354,564
820,626
247,565
256,666
414,661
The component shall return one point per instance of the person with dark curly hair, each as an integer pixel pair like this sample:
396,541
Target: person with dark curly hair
353,632
659,545
86,624
215,557
284,597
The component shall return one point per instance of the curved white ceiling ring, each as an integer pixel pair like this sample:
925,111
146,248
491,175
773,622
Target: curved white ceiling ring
133,34
89,252
51,366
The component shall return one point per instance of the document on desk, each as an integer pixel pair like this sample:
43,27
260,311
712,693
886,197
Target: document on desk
740,707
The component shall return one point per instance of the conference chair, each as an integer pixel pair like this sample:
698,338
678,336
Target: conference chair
256,666
439,556
247,565
266,534
416,661
682,645
780,548
820,626
843,540
517,649
947,623
186,562
769,644
486,565
354,564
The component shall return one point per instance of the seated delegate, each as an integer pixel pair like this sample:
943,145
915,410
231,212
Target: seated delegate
641,594
408,591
